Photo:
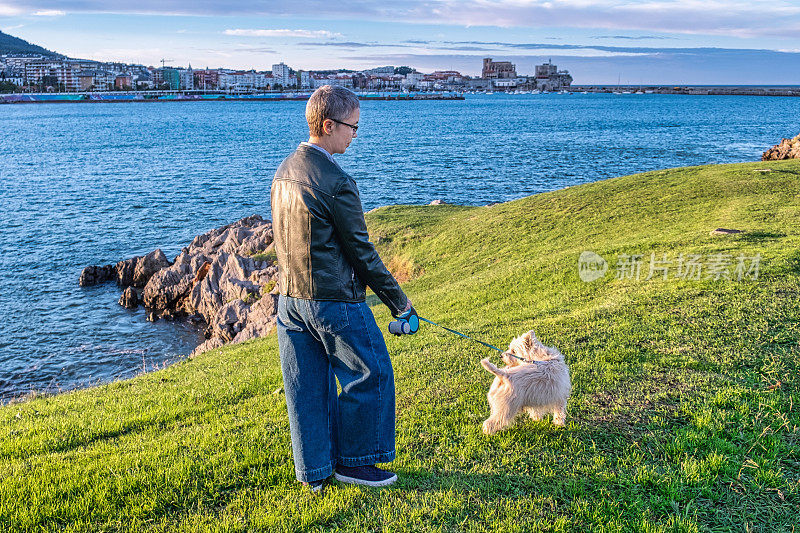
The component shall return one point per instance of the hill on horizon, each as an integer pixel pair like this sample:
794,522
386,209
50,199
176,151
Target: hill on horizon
14,45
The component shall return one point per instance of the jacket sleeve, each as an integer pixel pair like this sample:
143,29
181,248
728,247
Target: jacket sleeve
351,229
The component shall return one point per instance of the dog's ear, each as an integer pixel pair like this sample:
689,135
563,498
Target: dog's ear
530,340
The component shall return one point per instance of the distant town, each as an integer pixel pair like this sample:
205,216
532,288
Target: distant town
31,73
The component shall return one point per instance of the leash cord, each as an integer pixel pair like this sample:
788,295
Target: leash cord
470,338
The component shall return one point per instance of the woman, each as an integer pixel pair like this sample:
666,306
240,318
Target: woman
326,331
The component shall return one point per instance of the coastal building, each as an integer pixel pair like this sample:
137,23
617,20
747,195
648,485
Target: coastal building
380,71
549,78
263,81
172,77
143,80
206,79
123,82
412,79
498,69
282,75
58,74
245,82
9,77
86,80
446,76
18,62
157,77
187,78
304,79
479,84
343,80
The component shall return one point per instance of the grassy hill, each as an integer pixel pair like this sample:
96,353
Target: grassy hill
14,45
684,413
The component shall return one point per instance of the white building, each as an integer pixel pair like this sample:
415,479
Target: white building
19,62
280,73
19,81
305,79
187,78
246,81
263,80
342,80
64,72
412,79
380,71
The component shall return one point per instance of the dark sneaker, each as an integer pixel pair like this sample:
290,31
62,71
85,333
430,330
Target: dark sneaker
371,475
314,486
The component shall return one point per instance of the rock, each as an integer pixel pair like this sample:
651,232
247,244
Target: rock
210,344
214,282
786,149
129,298
438,202
125,270
92,275
723,231
147,266
261,320
230,320
167,287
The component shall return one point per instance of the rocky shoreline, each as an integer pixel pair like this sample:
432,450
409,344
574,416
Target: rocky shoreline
786,149
225,282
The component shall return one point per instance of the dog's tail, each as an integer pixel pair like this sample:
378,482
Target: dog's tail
499,372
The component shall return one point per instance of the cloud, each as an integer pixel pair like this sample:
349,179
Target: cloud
572,50
341,44
308,34
48,13
9,11
256,49
631,37
739,18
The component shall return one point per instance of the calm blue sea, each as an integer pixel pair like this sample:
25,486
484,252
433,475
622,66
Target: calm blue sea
86,184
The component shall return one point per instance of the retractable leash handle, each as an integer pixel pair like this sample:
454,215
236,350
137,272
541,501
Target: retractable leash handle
406,324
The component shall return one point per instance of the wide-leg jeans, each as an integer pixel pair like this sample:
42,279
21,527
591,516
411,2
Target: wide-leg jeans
321,342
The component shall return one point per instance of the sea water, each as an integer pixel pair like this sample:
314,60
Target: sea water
91,184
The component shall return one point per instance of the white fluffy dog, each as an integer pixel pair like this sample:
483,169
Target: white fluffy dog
540,385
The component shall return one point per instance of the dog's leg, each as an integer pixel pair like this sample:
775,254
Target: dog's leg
534,413
560,415
500,418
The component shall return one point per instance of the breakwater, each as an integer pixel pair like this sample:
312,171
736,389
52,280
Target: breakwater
688,90
173,96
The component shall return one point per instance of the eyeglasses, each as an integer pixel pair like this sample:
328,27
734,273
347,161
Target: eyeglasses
355,128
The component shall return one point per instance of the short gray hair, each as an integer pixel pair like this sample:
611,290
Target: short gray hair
329,102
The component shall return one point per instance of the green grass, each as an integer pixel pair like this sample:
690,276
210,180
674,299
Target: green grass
683,417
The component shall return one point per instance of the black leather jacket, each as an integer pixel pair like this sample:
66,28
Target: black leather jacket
321,239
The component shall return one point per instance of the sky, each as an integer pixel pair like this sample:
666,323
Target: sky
686,42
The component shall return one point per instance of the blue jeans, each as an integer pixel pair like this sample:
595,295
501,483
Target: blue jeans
320,342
